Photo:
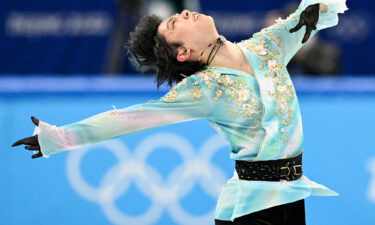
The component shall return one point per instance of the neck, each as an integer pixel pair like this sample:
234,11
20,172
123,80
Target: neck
231,56
227,56
212,49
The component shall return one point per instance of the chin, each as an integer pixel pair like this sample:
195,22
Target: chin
208,19
212,22
211,18
204,16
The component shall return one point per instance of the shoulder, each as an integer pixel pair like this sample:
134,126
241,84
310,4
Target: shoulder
193,87
202,78
262,43
208,74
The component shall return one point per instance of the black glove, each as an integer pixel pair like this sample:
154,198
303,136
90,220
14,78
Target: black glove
32,141
309,17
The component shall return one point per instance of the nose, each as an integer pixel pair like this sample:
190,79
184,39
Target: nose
185,14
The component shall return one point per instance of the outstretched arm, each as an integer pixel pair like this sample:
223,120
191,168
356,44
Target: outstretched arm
288,35
188,100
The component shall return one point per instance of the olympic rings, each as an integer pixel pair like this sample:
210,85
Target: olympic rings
163,193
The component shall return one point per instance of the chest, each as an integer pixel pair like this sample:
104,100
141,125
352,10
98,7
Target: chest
239,61
244,66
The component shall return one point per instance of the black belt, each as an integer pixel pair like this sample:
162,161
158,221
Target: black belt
270,170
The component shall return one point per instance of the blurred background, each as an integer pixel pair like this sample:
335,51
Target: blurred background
64,61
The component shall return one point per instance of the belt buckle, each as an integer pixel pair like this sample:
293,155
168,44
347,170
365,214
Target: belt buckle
290,176
295,170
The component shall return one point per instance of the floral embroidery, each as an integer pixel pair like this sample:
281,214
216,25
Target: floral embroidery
260,50
250,108
197,93
259,45
233,88
280,21
208,76
273,37
273,66
205,77
171,96
243,95
236,91
276,81
218,93
283,94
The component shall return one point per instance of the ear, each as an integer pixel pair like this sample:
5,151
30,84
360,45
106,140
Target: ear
183,54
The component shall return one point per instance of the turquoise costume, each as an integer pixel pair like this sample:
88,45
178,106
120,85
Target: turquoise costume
257,114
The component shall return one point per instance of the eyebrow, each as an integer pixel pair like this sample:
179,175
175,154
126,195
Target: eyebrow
170,19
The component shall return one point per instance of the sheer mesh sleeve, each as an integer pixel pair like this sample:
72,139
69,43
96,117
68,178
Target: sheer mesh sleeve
283,45
187,100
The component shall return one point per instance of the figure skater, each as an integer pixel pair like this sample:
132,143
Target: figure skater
243,89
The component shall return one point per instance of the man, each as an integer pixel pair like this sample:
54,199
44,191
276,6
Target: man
243,90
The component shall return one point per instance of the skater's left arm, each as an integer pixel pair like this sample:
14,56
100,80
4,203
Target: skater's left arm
287,36
188,100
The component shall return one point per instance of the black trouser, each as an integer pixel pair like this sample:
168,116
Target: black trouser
288,214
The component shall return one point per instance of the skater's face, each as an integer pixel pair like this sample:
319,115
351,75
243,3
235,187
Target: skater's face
193,30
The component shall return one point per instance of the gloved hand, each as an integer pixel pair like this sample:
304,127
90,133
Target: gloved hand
309,17
32,141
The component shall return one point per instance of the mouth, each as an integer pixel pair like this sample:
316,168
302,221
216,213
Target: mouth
196,16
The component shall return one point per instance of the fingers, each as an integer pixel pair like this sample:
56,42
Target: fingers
307,34
29,140
33,147
35,120
17,143
310,17
298,26
33,140
37,155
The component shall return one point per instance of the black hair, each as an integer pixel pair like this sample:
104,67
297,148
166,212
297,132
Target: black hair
151,53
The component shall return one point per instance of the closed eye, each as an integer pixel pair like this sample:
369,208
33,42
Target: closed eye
171,21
